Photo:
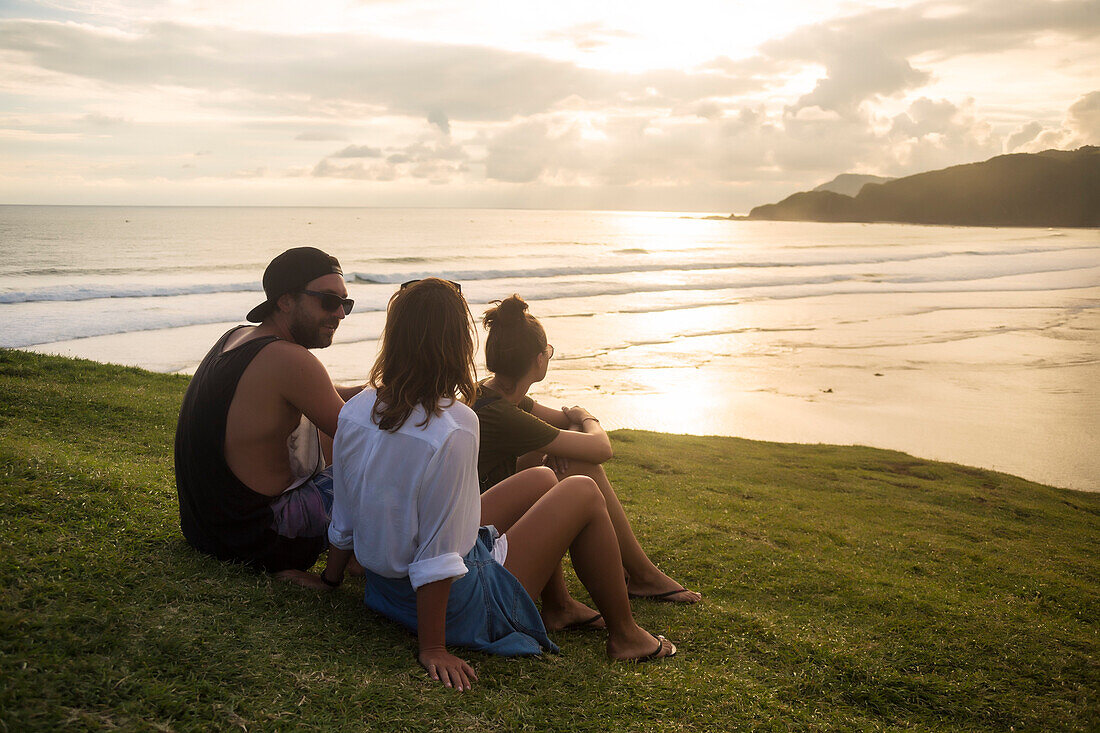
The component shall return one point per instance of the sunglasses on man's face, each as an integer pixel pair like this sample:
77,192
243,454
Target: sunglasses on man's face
332,302
458,286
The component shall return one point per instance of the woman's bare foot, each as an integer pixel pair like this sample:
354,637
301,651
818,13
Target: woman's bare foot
302,578
640,646
659,587
575,615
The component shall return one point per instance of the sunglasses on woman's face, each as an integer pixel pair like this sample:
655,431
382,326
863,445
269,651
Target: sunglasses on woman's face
332,302
458,286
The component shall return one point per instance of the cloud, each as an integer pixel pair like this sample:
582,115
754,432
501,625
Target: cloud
925,117
357,151
426,149
626,150
746,145
439,119
95,119
1084,119
859,74
868,55
1024,135
522,152
357,171
934,134
588,36
433,160
943,28
319,136
1081,126
304,73
257,172
855,93
707,110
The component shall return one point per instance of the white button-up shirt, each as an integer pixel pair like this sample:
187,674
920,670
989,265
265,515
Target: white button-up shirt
407,502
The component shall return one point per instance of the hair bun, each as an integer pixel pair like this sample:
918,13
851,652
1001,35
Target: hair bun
509,310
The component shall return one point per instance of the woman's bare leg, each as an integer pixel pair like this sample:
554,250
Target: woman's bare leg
506,502
509,500
573,516
645,578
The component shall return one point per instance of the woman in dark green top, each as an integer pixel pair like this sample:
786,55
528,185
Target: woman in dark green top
517,433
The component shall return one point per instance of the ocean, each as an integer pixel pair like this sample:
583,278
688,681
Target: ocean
979,346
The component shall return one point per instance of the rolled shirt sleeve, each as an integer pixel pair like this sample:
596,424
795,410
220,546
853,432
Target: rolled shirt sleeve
448,508
340,533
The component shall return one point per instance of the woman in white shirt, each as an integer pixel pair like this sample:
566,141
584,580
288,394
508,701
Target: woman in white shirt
407,505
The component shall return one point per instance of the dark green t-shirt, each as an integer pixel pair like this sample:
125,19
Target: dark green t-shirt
507,432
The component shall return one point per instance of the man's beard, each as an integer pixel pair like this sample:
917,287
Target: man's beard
308,333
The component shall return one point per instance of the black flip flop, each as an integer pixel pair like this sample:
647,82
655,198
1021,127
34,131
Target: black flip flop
585,624
656,653
663,597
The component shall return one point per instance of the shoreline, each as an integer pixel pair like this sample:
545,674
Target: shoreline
634,408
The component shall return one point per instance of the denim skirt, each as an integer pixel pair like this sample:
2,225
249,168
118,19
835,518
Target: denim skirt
488,609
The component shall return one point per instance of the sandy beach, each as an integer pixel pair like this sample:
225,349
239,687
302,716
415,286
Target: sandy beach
974,345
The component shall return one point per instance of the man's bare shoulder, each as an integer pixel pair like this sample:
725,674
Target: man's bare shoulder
285,360
283,349
300,380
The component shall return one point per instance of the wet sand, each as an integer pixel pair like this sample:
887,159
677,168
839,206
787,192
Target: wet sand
1013,385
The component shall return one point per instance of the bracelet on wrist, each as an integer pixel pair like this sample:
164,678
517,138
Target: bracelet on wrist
330,583
589,418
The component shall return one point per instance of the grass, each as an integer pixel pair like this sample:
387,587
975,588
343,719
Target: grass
845,588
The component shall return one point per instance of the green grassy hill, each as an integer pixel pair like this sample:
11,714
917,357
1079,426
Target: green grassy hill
845,588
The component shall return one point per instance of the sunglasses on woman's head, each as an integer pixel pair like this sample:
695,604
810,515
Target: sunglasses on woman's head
458,286
332,302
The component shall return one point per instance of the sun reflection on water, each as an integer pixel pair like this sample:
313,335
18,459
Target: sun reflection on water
670,231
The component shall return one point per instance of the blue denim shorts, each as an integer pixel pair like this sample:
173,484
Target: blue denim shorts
488,609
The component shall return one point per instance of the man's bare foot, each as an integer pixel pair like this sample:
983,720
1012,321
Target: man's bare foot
575,616
640,646
660,587
302,578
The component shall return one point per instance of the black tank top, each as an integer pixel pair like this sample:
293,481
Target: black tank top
219,514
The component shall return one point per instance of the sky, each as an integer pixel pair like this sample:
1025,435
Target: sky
693,105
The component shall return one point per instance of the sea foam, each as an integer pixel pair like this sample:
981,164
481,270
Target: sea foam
992,263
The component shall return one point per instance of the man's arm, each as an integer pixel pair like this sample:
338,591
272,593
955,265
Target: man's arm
305,384
346,392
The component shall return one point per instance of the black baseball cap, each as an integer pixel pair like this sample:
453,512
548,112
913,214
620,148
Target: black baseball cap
291,271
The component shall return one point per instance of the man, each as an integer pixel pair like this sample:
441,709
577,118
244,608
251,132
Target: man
250,473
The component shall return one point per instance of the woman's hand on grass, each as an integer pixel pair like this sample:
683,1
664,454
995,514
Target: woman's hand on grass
333,574
431,613
442,666
303,578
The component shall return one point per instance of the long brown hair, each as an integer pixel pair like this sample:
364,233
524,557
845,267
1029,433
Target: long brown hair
515,338
427,353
